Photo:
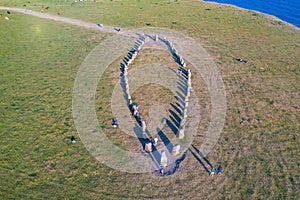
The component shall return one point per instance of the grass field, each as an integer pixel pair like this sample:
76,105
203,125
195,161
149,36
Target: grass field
258,148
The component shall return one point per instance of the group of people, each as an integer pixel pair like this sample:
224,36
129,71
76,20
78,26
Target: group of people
213,171
133,107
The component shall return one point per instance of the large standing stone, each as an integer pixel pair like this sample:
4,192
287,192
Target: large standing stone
128,98
127,92
176,149
186,105
186,99
180,134
135,113
146,39
189,82
182,122
163,159
148,147
129,61
164,121
188,93
127,87
185,113
143,126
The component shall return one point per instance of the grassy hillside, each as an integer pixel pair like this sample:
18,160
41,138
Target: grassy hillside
259,147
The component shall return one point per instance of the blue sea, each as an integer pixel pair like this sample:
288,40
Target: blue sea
286,10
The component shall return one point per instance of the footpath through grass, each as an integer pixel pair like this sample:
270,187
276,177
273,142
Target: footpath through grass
259,147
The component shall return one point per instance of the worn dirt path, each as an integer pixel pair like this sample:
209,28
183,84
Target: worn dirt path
62,19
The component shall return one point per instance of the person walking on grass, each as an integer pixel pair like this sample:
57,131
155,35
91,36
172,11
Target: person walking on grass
219,170
212,172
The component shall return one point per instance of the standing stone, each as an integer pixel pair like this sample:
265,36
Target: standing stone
185,113
122,66
134,107
164,121
180,59
135,113
189,82
148,147
129,98
125,79
126,87
143,126
163,159
186,104
139,48
189,77
176,149
186,99
182,122
129,61
188,93
183,64
180,133
127,92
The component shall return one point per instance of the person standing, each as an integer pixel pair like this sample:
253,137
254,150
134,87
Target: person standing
212,172
220,169
73,140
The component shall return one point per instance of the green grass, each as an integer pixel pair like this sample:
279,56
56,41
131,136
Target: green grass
259,147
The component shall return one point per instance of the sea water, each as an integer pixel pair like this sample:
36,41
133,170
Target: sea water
286,10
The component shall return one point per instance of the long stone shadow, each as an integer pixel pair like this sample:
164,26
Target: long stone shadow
202,156
199,160
175,56
137,44
182,88
179,98
179,106
183,80
138,133
125,59
141,37
156,155
172,69
176,108
165,140
131,51
150,36
122,83
175,118
171,126
184,71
